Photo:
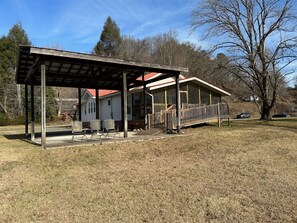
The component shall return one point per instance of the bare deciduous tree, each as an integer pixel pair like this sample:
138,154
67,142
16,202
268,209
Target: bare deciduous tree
65,99
259,35
167,49
134,49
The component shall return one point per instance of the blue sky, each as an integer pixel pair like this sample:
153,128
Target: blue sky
77,24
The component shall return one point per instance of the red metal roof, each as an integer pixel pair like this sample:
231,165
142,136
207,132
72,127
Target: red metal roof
147,76
107,92
101,92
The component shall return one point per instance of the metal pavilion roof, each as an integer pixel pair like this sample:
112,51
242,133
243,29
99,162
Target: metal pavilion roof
72,69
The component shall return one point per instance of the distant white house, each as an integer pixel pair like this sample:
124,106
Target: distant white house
160,95
251,98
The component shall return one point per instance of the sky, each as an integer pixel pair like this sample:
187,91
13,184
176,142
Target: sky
76,25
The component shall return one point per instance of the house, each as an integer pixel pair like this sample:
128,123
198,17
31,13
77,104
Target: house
160,95
250,98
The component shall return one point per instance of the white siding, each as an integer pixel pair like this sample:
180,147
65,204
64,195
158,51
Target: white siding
87,110
116,107
107,110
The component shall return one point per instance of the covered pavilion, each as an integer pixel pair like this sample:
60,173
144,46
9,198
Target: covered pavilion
52,67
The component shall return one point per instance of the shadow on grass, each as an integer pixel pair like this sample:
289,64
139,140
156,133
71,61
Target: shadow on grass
21,137
15,136
199,125
37,135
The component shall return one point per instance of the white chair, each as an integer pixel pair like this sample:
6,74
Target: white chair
110,128
77,129
95,126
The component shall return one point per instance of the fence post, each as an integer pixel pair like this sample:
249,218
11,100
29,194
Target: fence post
148,121
219,115
172,120
228,114
165,119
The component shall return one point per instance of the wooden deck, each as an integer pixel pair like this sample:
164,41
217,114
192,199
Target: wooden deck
190,116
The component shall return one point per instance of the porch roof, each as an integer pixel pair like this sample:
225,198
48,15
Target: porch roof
79,70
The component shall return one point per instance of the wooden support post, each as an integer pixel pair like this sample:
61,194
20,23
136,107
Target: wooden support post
43,106
32,112
187,95
125,105
144,102
172,119
165,119
26,111
79,104
122,110
97,103
228,116
210,98
219,115
148,121
165,98
199,95
177,94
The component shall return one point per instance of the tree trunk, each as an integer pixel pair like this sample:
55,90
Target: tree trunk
19,99
3,108
59,108
265,111
5,104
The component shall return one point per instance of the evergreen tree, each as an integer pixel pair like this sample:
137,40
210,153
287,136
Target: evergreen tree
110,40
10,93
17,36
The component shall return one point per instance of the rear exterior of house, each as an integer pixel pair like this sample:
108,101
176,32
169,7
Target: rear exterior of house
109,105
160,96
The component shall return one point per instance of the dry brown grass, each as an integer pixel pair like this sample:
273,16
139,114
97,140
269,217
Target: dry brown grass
246,173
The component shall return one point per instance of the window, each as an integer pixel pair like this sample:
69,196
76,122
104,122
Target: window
89,107
171,96
109,101
205,96
137,109
159,96
193,94
159,99
215,98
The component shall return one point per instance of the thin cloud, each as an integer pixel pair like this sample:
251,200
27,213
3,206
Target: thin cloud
76,25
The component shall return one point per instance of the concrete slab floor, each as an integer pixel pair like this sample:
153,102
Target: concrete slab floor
62,137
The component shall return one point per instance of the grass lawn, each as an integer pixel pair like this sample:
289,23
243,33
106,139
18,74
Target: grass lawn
245,173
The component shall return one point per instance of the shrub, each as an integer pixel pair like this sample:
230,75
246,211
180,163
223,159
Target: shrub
4,119
16,120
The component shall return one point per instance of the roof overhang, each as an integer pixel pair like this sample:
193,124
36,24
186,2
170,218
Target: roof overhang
195,80
79,70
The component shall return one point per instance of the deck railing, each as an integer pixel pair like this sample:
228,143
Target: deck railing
189,116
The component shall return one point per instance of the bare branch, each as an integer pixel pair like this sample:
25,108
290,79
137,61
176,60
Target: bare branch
259,35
